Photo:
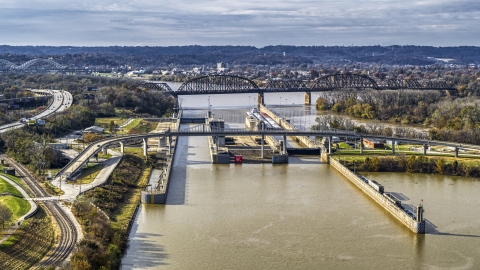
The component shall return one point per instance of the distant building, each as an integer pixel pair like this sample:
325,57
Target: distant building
373,143
221,66
94,129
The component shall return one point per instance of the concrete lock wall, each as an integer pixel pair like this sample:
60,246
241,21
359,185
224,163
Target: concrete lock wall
160,196
219,158
280,159
399,214
285,125
153,197
270,141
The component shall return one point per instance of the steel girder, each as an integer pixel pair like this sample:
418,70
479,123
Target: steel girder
415,84
218,83
338,81
152,85
281,85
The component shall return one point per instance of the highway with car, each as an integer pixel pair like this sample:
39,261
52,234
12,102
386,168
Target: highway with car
62,100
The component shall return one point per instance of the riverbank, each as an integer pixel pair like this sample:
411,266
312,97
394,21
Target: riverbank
118,200
443,165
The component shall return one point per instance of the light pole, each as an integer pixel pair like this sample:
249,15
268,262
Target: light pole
309,121
249,102
304,120
208,108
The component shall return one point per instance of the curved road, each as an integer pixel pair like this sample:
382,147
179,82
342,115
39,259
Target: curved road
61,101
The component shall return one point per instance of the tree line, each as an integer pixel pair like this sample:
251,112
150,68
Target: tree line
414,164
448,118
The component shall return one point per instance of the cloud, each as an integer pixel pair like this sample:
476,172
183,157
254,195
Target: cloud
259,23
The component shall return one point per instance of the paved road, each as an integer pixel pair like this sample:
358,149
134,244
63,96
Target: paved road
73,190
62,100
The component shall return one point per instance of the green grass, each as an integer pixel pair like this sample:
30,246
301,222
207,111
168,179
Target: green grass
134,150
88,174
55,190
357,157
130,126
123,217
106,120
18,206
9,241
101,155
6,187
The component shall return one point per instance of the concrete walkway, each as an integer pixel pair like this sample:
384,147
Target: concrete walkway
33,208
73,190
127,122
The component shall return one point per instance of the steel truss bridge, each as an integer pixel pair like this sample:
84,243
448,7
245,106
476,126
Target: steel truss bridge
11,66
228,84
219,84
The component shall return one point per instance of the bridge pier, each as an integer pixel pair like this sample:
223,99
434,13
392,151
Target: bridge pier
361,145
456,151
425,147
263,138
329,144
393,147
260,99
308,97
284,150
160,142
169,145
104,150
122,147
145,146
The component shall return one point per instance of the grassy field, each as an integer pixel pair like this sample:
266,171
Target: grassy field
105,122
14,178
88,174
6,187
126,210
101,155
126,129
134,150
18,206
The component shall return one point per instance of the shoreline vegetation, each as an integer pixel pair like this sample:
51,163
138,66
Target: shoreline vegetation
105,214
467,167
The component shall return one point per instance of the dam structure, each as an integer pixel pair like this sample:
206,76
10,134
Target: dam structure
409,217
413,221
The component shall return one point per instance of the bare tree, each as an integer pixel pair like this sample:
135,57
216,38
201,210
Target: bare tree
5,214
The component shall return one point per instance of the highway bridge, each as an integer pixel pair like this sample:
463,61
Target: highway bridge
231,84
204,130
7,65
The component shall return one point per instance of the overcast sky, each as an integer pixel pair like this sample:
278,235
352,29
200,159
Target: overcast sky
247,22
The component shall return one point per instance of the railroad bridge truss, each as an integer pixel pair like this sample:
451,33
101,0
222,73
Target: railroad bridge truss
227,84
